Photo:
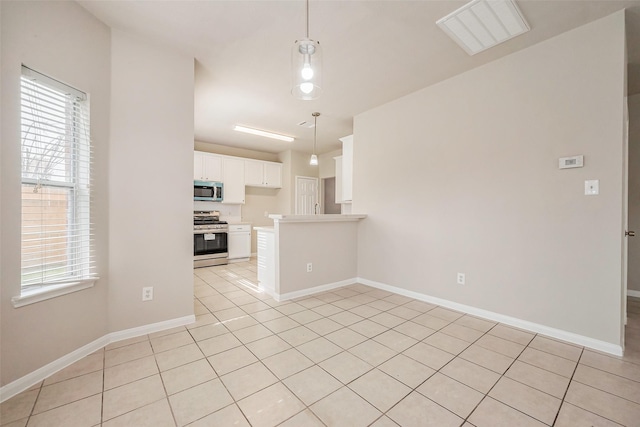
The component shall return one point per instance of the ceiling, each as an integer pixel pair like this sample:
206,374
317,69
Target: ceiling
374,52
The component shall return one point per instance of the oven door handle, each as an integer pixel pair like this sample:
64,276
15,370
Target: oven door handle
217,231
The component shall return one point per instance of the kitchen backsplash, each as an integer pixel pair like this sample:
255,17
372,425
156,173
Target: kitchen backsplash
230,213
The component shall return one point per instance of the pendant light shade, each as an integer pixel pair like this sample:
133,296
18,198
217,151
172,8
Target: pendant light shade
306,65
314,159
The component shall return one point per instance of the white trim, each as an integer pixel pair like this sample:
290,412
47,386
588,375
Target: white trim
150,328
581,340
23,383
314,290
32,378
51,291
632,293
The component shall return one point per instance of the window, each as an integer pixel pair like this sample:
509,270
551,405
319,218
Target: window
56,176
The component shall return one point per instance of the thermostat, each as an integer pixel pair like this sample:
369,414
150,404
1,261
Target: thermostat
571,162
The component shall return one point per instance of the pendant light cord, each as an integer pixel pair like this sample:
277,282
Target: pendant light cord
315,131
307,18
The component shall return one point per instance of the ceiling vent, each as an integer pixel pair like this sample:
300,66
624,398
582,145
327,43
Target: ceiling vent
306,124
482,24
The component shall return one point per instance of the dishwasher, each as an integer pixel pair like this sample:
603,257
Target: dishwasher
239,241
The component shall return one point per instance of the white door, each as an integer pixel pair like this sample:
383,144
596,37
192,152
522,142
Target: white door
307,196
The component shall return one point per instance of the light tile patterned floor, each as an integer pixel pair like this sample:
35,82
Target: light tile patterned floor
355,356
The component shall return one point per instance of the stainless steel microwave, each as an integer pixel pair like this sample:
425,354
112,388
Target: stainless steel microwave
207,191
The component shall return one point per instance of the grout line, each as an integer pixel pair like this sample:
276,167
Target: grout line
104,373
568,386
228,284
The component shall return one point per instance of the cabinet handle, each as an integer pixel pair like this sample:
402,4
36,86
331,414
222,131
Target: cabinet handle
630,233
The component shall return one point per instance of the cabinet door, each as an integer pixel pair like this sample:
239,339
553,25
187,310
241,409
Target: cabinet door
339,179
233,180
239,241
347,168
253,173
273,175
212,167
198,173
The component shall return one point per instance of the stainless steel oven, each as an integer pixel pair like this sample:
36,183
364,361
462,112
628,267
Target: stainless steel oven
210,236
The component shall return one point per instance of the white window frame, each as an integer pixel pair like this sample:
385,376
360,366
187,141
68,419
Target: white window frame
75,152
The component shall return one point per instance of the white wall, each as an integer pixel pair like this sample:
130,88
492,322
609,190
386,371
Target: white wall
331,247
327,165
151,182
463,177
62,40
634,193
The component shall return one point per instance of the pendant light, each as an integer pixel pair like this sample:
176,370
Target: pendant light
306,62
314,159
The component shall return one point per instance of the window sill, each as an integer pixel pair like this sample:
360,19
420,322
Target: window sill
52,291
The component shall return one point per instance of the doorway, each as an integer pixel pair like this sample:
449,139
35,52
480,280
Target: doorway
632,208
307,196
329,204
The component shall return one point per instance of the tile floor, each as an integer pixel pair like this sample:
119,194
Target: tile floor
355,356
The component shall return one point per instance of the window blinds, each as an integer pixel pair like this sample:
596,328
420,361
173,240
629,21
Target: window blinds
57,245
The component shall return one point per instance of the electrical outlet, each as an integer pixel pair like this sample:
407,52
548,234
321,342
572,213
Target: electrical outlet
147,293
309,267
266,214
460,278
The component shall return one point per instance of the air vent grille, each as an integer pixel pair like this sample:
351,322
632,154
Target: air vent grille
482,24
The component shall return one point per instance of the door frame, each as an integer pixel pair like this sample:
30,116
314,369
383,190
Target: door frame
625,219
298,177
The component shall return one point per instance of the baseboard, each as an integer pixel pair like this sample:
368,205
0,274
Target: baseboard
151,328
33,378
314,290
29,380
632,293
581,340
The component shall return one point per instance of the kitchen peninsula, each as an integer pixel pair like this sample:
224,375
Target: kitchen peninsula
304,254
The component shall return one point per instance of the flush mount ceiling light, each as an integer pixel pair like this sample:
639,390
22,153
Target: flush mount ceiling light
263,133
482,24
314,159
306,63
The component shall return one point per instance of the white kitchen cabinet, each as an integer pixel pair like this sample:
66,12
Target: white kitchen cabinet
263,174
233,180
266,260
347,168
273,174
239,241
207,167
338,179
253,173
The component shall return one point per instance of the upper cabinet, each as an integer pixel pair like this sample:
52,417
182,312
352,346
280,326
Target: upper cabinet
339,198
207,167
233,180
347,169
235,173
258,173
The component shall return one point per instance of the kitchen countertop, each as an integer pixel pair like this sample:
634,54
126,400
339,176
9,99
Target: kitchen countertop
317,218
267,228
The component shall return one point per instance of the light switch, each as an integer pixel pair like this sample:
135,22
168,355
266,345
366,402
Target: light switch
592,187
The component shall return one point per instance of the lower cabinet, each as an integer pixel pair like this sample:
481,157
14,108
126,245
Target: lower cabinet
266,261
239,241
